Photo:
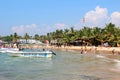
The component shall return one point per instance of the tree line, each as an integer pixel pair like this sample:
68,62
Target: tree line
110,34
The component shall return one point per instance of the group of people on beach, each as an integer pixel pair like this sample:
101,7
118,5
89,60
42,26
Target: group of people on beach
9,45
97,50
114,52
83,51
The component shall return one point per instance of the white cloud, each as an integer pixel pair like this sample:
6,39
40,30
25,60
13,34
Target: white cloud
18,29
115,18
44,28
61,25
32,26
97,17
22,29
33,29
93,18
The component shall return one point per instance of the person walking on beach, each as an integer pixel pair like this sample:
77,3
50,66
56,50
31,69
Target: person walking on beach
81,51
113,51
85,50
95,51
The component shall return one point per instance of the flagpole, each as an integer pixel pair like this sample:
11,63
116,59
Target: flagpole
83,22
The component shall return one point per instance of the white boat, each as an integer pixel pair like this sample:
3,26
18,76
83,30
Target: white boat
46,54
3,50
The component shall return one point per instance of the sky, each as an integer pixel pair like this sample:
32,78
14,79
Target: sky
44,16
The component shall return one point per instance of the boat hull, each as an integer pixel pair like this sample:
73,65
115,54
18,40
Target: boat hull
3,50
45,54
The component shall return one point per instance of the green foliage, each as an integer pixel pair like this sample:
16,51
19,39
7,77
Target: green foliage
94,36
15,37
7,38
36,37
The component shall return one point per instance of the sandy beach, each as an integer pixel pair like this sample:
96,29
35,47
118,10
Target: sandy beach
93,49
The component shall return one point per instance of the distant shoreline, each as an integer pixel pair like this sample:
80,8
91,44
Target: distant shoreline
93,49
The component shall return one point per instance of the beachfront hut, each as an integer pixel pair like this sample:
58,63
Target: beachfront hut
77,42
53,42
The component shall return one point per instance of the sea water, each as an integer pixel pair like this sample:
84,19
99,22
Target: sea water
66,65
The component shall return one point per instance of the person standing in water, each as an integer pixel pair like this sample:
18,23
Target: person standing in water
81,51
113,51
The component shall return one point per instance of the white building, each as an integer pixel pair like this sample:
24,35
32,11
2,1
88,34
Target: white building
29,41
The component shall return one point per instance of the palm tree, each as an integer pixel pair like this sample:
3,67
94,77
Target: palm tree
72,34
6,38
66,37
72,29
36,37
42,38
87,32
96,31
26,37
15,37
111,34
58,36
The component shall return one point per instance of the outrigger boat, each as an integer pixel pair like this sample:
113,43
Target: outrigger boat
46,54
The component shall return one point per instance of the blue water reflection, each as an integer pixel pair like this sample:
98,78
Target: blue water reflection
66,65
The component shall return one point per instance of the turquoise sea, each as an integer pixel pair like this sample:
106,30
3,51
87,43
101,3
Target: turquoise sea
66,65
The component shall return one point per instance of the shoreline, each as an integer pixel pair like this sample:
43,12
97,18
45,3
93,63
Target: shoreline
93,49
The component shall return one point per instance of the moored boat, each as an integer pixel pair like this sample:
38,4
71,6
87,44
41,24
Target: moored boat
46,54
